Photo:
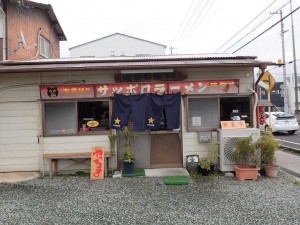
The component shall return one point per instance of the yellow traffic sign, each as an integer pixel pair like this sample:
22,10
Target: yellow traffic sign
268,81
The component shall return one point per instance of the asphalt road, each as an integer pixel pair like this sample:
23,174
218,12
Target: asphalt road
289,141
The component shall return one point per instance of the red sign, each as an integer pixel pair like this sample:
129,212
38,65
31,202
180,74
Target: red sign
108,90
234,124
261,115
105,90
205,87
66,91
97,163
186,87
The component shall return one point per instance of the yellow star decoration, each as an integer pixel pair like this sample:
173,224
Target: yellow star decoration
151,120
117,121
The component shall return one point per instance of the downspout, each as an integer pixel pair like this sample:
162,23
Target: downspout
255,108
38,45
4,33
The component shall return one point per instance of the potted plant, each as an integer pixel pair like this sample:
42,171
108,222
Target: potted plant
204,166
268,146
112,141
112,159
213,153
245,157
128,136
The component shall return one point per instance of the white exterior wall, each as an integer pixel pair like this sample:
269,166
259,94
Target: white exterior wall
21,141
19,122
117,45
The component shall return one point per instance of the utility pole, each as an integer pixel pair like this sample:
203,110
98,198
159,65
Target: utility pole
285,91
295,62
171,50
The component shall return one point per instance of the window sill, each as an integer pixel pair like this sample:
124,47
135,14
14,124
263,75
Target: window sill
80,133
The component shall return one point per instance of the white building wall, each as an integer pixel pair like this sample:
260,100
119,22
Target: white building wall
19,122
117,45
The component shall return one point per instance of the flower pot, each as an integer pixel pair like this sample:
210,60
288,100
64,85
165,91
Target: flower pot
204,172
128,167
246,172
212,168
271,171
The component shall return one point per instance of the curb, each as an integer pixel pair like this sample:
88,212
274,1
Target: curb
292,150
286,148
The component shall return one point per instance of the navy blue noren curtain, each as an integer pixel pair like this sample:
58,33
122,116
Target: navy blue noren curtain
123,105
171,103
146,111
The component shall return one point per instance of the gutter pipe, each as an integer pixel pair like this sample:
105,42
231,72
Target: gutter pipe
4,33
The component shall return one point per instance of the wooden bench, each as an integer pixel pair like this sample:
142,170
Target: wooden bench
76,157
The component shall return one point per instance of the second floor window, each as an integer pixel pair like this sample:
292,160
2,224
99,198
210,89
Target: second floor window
45,47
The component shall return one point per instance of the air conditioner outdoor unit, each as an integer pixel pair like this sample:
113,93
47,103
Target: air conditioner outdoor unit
227,139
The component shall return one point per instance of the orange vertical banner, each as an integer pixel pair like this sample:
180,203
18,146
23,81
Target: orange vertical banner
97,163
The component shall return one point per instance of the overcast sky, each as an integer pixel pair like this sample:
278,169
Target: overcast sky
189,26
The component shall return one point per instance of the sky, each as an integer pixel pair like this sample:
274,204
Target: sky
186,26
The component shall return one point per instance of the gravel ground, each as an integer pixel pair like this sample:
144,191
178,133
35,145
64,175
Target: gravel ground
142,200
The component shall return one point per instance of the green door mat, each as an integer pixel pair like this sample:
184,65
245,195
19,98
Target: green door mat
136,172
176,180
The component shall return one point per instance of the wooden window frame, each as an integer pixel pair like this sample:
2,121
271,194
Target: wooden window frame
218,97
76,101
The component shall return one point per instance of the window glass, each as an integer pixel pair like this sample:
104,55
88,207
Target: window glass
60,118
93,116
203,113
235,108
45,47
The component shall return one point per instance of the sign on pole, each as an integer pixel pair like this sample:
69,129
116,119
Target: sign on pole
267,81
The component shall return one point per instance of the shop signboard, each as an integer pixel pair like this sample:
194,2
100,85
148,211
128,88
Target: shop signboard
108,90
234,124
66,91
97,163
185,87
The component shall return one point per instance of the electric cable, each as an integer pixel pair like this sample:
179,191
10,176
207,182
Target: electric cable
190,20
257,26
183,21
264,31
201,19
245,26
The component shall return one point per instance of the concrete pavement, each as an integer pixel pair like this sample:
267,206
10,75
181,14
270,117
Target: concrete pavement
289,162
18,176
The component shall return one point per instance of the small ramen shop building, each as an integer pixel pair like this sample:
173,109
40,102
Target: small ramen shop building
174,102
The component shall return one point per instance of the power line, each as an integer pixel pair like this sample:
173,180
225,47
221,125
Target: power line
183,21
264,31
245,26
190,19
198,22
198,16
262,22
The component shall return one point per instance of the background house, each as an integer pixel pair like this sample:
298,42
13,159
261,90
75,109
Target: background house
276,96
30,31
117,45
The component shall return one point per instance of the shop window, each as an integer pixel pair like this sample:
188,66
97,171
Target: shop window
71,118
203,114
235,108
93,116
60,118
206,113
